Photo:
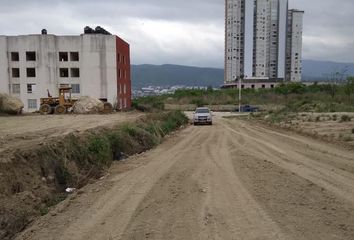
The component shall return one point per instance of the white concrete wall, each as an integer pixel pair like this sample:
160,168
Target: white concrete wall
234,28
4,74
273,42
249,35
259,85
296,47
22,44
262,53
99,67
97,64
283,22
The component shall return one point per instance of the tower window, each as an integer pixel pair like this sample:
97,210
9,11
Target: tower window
30,56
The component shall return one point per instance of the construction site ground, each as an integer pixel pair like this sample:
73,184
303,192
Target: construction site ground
232,180
26,130
328,126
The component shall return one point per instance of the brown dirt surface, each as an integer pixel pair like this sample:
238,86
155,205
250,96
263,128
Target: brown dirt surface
233,180
24,131
327,126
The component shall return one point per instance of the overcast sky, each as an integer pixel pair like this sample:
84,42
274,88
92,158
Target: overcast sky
187,32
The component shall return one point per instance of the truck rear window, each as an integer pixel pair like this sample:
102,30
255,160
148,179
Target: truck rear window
202,111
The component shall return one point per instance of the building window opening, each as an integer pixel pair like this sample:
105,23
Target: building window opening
32,103
30,56
15,56
15,72
63,57
263,86
74,56
16,88
75,72
75,88
64,72
31,72
31,87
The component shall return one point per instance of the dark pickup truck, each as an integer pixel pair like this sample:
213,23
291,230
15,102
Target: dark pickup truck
247,108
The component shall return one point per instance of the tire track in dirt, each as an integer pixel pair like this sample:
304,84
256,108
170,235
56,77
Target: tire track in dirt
229,181
284,154
303,208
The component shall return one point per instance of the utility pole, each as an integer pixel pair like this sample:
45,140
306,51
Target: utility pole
240,92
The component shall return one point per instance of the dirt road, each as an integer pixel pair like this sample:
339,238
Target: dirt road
231,181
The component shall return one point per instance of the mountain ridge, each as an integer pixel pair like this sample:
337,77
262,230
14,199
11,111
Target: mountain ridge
166,75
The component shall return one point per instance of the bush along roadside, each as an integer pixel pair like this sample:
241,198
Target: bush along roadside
35,179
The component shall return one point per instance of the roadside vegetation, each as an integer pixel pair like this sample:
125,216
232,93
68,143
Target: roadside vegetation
72,161
294,97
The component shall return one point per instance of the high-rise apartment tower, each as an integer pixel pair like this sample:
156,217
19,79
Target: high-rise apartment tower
263,41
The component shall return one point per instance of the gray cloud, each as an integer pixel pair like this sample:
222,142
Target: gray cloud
182,32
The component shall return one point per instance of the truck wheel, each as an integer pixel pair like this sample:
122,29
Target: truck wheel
45,109
60,109
107,108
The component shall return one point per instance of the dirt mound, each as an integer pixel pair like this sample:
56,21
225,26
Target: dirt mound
10,104
88,105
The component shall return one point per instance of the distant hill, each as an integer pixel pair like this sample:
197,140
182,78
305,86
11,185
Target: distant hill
171,75
318,70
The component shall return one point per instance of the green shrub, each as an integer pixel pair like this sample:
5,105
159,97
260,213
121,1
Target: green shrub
345,118
100,151
158,105
345,137
150,103
199,102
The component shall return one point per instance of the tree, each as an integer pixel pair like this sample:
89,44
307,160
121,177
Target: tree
336,78
282,89
330,89
349,88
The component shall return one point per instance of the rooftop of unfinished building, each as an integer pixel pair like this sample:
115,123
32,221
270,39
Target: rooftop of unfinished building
86,31
98,31
297,10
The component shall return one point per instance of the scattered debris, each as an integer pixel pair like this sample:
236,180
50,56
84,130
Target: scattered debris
70,190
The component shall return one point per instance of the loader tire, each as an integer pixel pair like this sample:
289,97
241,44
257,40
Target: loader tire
45,109
60,110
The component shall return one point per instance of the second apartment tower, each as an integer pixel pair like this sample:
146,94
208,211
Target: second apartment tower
263,41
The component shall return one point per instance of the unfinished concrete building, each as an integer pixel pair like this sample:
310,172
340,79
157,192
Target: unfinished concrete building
95,64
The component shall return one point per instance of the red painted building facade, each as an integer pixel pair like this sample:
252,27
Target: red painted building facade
124,85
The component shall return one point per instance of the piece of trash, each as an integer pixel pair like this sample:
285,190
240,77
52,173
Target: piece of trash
70,190
203,190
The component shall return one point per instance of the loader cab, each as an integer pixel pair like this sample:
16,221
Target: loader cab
65,95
